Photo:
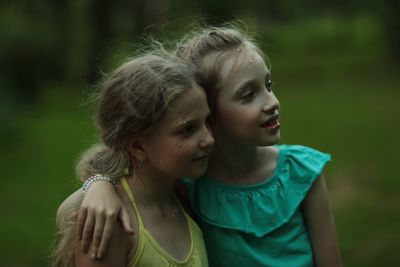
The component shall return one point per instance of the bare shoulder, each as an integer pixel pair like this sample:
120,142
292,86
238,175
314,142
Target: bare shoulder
72,202
118,253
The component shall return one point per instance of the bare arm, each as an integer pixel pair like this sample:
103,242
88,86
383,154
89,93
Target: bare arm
99,210
321,225
117,256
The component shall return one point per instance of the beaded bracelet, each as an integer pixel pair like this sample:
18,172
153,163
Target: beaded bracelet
95,178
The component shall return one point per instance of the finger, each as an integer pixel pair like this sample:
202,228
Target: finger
106,239
81,221
126,221
87,232
97,234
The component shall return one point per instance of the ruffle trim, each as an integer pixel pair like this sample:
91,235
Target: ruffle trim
261,208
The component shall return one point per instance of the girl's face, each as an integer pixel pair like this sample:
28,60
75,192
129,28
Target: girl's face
181,143
247,109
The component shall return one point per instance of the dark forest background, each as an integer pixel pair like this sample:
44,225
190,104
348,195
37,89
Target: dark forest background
335,64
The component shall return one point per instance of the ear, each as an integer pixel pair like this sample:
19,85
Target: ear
135,148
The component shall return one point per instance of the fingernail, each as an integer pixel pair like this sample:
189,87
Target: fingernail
93,255
99,255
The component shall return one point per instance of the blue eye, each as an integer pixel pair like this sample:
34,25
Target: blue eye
188,129
248,95
268,85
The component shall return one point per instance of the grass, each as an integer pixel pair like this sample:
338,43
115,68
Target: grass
352,113
39,170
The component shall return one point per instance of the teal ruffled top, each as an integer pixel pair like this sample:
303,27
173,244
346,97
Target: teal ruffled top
259,224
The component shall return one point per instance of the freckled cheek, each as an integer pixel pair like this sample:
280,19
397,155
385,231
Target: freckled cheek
179,151
238,119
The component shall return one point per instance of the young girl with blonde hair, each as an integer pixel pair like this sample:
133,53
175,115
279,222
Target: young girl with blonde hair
259,203
152,120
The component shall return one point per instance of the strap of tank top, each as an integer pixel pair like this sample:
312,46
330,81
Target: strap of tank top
129,192
189,219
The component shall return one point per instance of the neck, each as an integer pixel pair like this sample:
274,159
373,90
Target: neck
152,188
233,163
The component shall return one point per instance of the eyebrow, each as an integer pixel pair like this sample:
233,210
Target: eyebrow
244,87
191,120
245,84
184,122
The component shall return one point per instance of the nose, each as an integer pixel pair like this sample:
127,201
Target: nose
271,104
207,138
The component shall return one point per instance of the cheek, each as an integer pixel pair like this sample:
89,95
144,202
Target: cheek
228,113
237,117
177,151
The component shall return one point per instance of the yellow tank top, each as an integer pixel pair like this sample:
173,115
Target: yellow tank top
149,253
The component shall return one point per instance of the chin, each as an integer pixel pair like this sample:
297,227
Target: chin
270,141
196,173
200,173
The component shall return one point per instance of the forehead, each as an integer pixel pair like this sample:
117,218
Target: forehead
190,105
229,63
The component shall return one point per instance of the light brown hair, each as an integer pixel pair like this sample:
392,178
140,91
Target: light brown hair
224,41
130,103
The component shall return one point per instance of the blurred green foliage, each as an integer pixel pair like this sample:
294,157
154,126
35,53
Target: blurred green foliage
335,64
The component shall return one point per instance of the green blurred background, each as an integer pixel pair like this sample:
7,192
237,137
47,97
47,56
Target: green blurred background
335,64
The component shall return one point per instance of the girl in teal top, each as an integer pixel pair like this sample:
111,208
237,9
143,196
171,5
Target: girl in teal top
259,224
259,203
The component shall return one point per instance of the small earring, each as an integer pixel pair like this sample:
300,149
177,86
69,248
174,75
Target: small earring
141,160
